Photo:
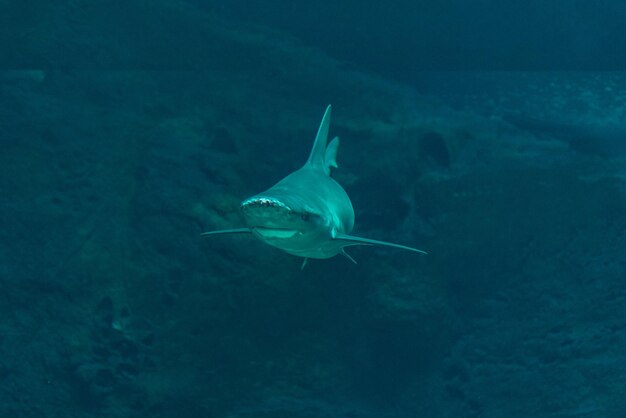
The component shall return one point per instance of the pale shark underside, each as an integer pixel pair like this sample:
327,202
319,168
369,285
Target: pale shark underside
307,214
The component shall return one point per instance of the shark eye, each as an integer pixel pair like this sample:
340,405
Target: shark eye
305,216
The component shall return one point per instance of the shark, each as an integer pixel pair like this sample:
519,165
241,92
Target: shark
307,214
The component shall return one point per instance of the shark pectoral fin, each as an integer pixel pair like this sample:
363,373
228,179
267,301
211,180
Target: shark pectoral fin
304,263
227,231
352,240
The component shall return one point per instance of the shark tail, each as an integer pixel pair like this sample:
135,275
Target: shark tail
330,156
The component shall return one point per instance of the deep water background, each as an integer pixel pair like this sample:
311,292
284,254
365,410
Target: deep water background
402,36
128,128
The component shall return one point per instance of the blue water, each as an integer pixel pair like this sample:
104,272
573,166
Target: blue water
490,135
405,36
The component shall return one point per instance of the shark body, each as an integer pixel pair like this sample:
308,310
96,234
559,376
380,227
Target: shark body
307,213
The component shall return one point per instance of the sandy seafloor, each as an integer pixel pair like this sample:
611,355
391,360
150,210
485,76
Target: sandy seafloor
113,306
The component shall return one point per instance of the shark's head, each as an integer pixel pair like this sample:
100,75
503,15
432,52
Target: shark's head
283,223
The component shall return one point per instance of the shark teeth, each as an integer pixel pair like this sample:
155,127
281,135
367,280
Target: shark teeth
263,202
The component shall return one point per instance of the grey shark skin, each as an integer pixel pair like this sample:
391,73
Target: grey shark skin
307,214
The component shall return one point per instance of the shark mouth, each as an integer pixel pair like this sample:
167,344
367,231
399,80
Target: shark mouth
269,218
275,233
263,203
272,220
265,212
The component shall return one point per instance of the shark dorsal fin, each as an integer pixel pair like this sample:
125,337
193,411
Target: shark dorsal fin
321,158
